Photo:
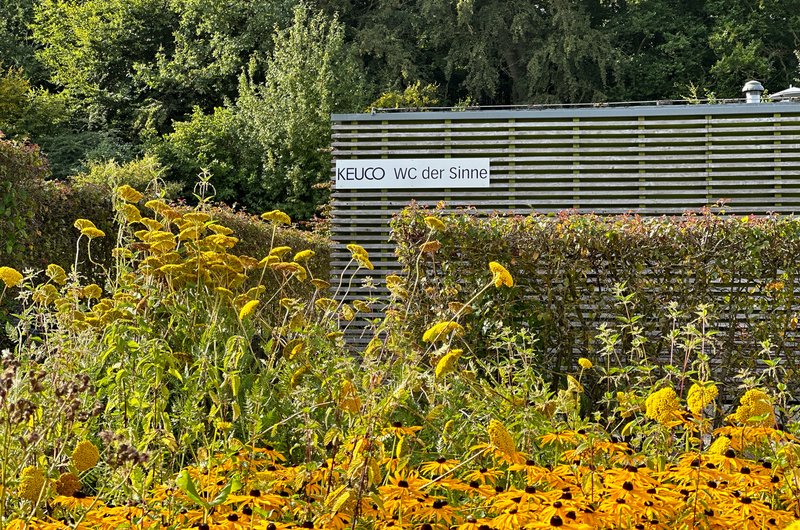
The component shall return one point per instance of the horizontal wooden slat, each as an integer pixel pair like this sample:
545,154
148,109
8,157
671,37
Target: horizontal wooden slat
647,160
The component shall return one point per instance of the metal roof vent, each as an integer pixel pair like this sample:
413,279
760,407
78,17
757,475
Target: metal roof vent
786,95
752,91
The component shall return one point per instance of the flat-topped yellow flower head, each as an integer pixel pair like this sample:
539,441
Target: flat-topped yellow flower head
10,277
662,405
277,217
501,275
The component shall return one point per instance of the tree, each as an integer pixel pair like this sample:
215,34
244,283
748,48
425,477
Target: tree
753,40
309,75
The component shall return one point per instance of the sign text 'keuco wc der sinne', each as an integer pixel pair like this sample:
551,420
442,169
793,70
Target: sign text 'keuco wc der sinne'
412,173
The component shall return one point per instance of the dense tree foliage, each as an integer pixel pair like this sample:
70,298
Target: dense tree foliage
243,90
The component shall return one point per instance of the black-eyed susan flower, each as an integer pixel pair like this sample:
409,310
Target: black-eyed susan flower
398,429
85,456
501,275
10,277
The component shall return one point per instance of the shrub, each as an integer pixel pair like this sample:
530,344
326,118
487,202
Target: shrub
588,285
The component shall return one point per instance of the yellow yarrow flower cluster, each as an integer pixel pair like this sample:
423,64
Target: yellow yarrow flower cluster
434,223
247,309
441,330
31,482
67,484
447,363
10,277
700,396
500,438
85,456
585,363
662,405
501,275
129,194
88,229
360,255
277,217
719,446
755,403
56,273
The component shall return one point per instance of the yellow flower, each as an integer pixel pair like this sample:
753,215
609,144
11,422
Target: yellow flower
393,281
11,277
434,223
129,194
92,291
326,304
364,262
279,251
700,396
92,232
447,363
158,206
441,330
82,224
719,446
347,312
56,273
223,425
277,217
662,405
85,456
500,438
219,229
247,309
130,213
430,246
320,284
501,275
755,404
198,218
31,482
68,484
357,250
362,306
303,254
585,363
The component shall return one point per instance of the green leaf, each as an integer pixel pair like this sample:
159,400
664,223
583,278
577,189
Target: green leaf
233,485
186,483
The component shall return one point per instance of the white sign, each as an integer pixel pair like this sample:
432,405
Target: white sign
412,173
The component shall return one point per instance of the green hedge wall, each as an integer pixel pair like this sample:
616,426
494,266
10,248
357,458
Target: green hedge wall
37,216
639,277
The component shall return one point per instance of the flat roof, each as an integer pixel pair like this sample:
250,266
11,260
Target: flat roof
599,110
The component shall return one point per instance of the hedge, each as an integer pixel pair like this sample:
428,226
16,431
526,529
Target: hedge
37,216
654,283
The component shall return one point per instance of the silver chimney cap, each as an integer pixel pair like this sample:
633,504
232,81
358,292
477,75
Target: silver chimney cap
789,93
752,91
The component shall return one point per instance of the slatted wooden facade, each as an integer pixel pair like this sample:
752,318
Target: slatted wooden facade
648,160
